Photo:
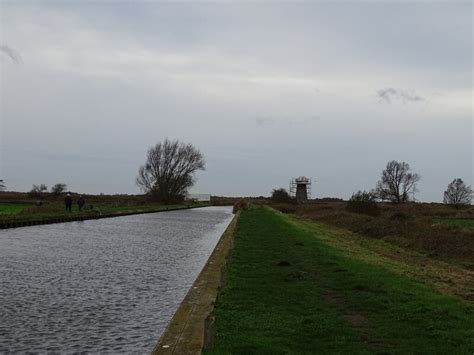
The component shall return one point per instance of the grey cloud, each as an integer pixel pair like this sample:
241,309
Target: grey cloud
391,94
304,121
267,121
122,77
264,121
11,53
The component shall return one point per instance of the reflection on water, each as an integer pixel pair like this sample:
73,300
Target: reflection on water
108,285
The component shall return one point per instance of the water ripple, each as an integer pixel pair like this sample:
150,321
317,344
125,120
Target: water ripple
101,286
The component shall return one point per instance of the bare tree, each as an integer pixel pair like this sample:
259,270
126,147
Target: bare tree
458,194
58,189
169,170
398,184
2,185
37,191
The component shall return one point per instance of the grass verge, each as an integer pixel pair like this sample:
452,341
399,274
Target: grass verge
10,209
292,287
52,211
460,222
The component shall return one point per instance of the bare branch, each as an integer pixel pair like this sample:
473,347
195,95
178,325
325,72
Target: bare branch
169,170
397,184
458,194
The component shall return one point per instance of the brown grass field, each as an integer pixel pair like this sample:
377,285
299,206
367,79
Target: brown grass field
425,227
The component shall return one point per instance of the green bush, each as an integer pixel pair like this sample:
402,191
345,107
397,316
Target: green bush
281,196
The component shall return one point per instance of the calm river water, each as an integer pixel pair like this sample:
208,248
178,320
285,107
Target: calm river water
101,286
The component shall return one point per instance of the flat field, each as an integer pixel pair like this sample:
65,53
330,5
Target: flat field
52,209
299,286
436,230
9,208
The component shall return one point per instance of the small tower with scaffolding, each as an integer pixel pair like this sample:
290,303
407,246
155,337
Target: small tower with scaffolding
300,188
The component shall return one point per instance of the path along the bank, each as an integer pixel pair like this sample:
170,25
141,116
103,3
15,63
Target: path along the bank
293,286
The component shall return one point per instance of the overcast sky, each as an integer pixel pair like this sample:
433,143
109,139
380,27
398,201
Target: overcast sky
267,91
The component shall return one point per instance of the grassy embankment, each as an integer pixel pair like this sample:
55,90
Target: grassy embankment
10,209
25,212
436,230
295,286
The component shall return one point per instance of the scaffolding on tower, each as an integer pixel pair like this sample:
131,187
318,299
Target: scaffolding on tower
300,188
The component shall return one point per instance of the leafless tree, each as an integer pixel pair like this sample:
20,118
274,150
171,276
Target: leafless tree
2,185
398,184
58,189
37,191
458,194
169,170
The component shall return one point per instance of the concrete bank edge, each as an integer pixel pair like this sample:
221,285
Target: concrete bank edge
190,329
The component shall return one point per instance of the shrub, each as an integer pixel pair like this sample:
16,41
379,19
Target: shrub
363,202
280,196
240,205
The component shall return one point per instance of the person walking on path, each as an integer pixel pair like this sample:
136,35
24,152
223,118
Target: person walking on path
80,202
68,202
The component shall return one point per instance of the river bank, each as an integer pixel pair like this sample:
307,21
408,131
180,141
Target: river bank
296,286
39,218
191,328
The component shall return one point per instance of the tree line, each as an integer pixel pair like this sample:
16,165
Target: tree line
398,184
170,167
38,191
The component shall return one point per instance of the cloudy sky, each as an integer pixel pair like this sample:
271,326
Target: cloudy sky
267,91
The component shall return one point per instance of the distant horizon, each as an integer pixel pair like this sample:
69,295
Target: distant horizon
223,196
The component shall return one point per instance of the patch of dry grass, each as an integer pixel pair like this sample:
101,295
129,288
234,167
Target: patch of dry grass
411,225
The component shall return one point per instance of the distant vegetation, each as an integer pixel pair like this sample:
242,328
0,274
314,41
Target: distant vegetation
434,229
169,170
363,202
281,196
38,191
458,194
58,189
20,207
397,184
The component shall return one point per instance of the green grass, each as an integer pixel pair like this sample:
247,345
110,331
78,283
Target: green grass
330,299
8,208
15,212
463,223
